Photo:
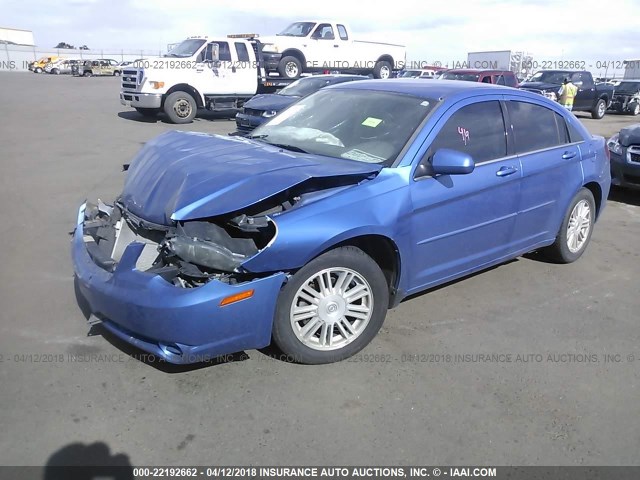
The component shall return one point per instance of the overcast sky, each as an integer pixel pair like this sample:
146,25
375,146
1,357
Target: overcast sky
446,31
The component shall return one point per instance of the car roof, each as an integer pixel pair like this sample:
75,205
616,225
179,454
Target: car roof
470,70
333,75
442,90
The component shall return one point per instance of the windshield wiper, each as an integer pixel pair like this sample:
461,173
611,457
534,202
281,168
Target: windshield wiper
257,137
293,148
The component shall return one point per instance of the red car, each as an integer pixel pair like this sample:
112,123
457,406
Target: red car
497,77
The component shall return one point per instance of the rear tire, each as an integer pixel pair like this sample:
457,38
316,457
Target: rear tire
331,308
148,112
88,73
290,67
116,73
382,69
576,229
599,109
55,71
37,70
180,107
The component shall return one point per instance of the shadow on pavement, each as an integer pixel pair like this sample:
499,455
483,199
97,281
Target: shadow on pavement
78,461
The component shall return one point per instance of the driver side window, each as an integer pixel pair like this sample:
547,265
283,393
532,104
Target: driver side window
324,32
477,129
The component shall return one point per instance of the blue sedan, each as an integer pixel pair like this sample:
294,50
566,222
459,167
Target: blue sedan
265,106
334,211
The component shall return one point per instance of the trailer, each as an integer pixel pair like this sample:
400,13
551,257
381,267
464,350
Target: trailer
213,73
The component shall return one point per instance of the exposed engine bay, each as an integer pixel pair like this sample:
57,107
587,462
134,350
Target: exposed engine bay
188,254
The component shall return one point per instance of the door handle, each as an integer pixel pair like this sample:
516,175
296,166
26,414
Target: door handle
336,46
199,70
569,155
506,171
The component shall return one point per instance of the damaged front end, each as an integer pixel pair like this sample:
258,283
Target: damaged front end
626,102
178,292
187,254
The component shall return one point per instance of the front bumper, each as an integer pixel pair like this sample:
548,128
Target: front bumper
179,325
141,100
245,123
624,173
271,60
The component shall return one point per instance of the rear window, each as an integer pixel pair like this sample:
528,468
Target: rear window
535,127
243,53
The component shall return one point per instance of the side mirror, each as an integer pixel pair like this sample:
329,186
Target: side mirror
451,162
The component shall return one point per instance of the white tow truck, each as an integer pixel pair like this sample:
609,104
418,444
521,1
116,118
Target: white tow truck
313,46
200,72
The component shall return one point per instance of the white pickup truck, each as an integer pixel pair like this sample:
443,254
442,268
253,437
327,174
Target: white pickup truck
322,45
200,72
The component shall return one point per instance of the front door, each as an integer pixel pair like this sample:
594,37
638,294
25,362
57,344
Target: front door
461,222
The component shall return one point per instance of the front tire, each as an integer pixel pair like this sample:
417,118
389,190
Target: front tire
599,109
38,70
116,73
290,67
87,73
634,108
331,308
576,229
180,107
382,69
55,71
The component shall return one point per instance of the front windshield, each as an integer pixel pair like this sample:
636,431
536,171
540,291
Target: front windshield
467,77
549,77
186,48
363,125
298,29
628,86
304,87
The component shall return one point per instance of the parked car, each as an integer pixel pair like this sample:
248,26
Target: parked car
100,67
352,199
496,77
626,97
625,157
419,73
592,97
61,66
318,46
262,107
38,65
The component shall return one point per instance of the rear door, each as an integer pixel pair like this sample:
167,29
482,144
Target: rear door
551,170
460,222
244,71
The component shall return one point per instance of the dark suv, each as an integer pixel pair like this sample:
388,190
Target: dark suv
496,77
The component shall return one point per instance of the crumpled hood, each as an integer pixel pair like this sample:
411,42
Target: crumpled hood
270,101
189,175
541,86
629,135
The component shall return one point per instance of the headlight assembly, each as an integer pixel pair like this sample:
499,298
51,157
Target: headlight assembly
614,145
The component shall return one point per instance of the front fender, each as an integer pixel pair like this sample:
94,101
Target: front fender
377,207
